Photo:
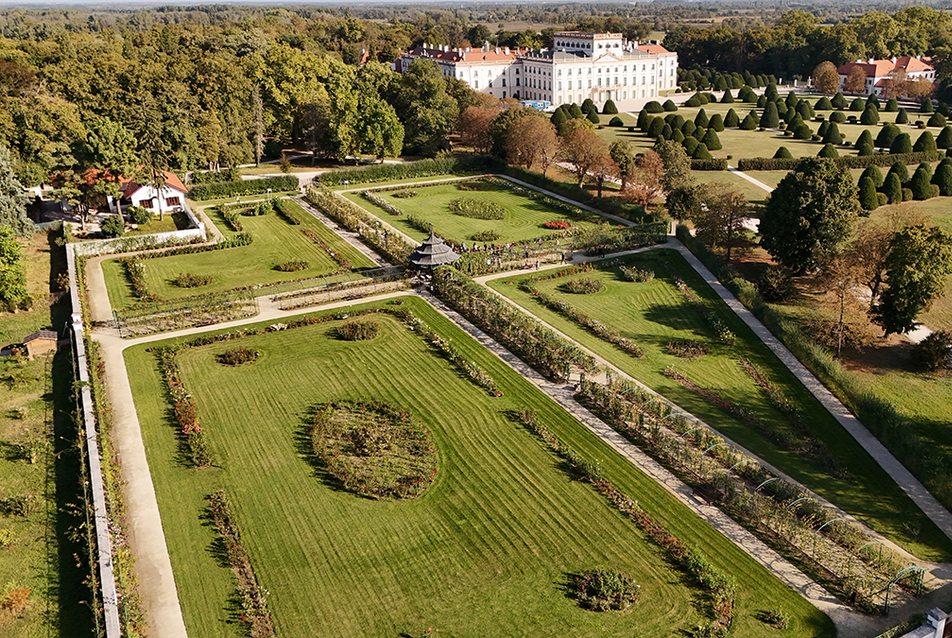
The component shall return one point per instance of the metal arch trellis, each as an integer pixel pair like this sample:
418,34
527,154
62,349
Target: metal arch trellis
917,574
770,480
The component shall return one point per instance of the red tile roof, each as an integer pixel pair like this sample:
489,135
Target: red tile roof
881,68
128,186
652,48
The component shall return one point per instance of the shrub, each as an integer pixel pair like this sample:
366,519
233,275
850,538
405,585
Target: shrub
776,284
689,128
485,235
901,116
943,178
934,352
113,226
782,153
477,209
677,136
668,106
653,107
139,215
869,117
715,164
283,207
907,194
655,126
777,618
616,121
824,104
882,199
583,286
874,174
749,123
867,194
857,105
190,280
832,134
685,348
926,105
727,97
838,101
636,275
716,123
732,121
292,266
692,102
605,590
902,144
828,151
609,108
849,161
690,144
701,120
701,152
925,143
237,357
803,132
218,190
899,169
944,140
921,183
937,120
838,116
711,141
358,330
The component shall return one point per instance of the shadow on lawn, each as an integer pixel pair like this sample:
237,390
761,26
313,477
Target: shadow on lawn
676,317
219,552
305,449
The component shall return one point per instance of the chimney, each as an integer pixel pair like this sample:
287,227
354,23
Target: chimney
870,61
507,50
486,46
894,60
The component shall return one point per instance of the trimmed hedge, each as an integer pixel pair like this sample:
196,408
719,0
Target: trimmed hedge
709,164
410,170
219,190
851,161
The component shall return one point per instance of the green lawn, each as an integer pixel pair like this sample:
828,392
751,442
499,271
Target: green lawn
653,313
524,217
484,552
276,241
170,222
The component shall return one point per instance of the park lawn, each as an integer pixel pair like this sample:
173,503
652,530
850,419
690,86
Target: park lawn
257,197
524,217
276,241
169,222
485,551
653,313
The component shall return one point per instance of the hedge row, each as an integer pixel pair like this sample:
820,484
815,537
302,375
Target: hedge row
218,190
408,170
709,164
850,161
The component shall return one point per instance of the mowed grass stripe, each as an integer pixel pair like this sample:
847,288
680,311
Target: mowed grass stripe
483,552
654,312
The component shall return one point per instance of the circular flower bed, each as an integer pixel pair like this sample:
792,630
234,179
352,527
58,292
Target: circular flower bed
605,590
373,448
358,330
237,356
486,235
190,280
583,286
477,209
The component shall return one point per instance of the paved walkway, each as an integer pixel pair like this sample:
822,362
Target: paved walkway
756,182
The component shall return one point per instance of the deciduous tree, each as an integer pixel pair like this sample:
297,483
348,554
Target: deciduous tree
531,140
587,153
13,200
825,78
855,80
474,126
645,185
720,218
13,292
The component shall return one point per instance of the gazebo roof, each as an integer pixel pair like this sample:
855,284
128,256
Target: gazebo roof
433,252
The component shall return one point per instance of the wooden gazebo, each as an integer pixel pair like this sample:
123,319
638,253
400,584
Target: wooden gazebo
432,253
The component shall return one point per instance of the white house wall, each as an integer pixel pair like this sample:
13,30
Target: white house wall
146,193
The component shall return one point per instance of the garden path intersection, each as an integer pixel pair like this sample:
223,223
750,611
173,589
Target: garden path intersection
155,576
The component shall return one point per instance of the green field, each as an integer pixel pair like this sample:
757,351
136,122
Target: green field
276,241
524,217
486,551
653,313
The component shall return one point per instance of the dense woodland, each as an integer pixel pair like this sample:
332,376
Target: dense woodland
202,87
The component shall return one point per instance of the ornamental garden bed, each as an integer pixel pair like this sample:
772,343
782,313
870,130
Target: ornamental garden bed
654,313
276,242
503,523
461,211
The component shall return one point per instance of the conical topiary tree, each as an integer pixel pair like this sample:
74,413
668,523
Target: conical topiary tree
558,119
829,151
701,152
926,106
873,173
943,178
749,123
857,105
576,112
899,170
689,144
832,134
643,120
868,198
693,102
872,102
720,84
824,104
655,126
771,91
945,138
865,149
688,128
770,118
805,110
902,117
727,98
902,144
791,99
838,101
677,136
887,134
732,121
617,122
782,153
803,132
762,101
838,116
711,140
587,105
892,188
921,183
609,108
667,131
716,123
892,105
925,142
701,120
823,128
654,107
667,106
870,117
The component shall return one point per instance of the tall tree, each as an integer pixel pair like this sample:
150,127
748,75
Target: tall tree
587,152
257,118
825,78
625,156
844,320
13,201
809,215
855,80
474,127
532,140
920,257
720,219
429,113
645,185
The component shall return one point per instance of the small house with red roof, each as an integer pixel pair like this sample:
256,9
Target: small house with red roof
878,71
169,197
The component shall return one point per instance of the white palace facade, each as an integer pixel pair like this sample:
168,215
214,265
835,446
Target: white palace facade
581,65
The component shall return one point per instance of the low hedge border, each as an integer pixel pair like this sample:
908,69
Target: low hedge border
218,190
850,161
708,164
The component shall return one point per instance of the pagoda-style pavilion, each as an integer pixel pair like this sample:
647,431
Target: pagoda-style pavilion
432,253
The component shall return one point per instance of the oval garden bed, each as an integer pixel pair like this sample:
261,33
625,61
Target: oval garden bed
373,448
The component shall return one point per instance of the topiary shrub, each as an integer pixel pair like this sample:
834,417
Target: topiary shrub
902,117
749,123
832,134
892,188
701,120
921,183
716,123
945,138
593,117
925,142
701,152
732,121
113,226
688,128
943,178
870,117
803,132
892,105
690,144
907,194
761,102
937,120
677,136
874,174
610,109
616,121
693,102
867,194
667,106
727,97
900,170
782,153
887,134
838,116
857,105
711,141
901,144
883,199
934,352
828,151
770,118
653,107
926,105
776,285
824,104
